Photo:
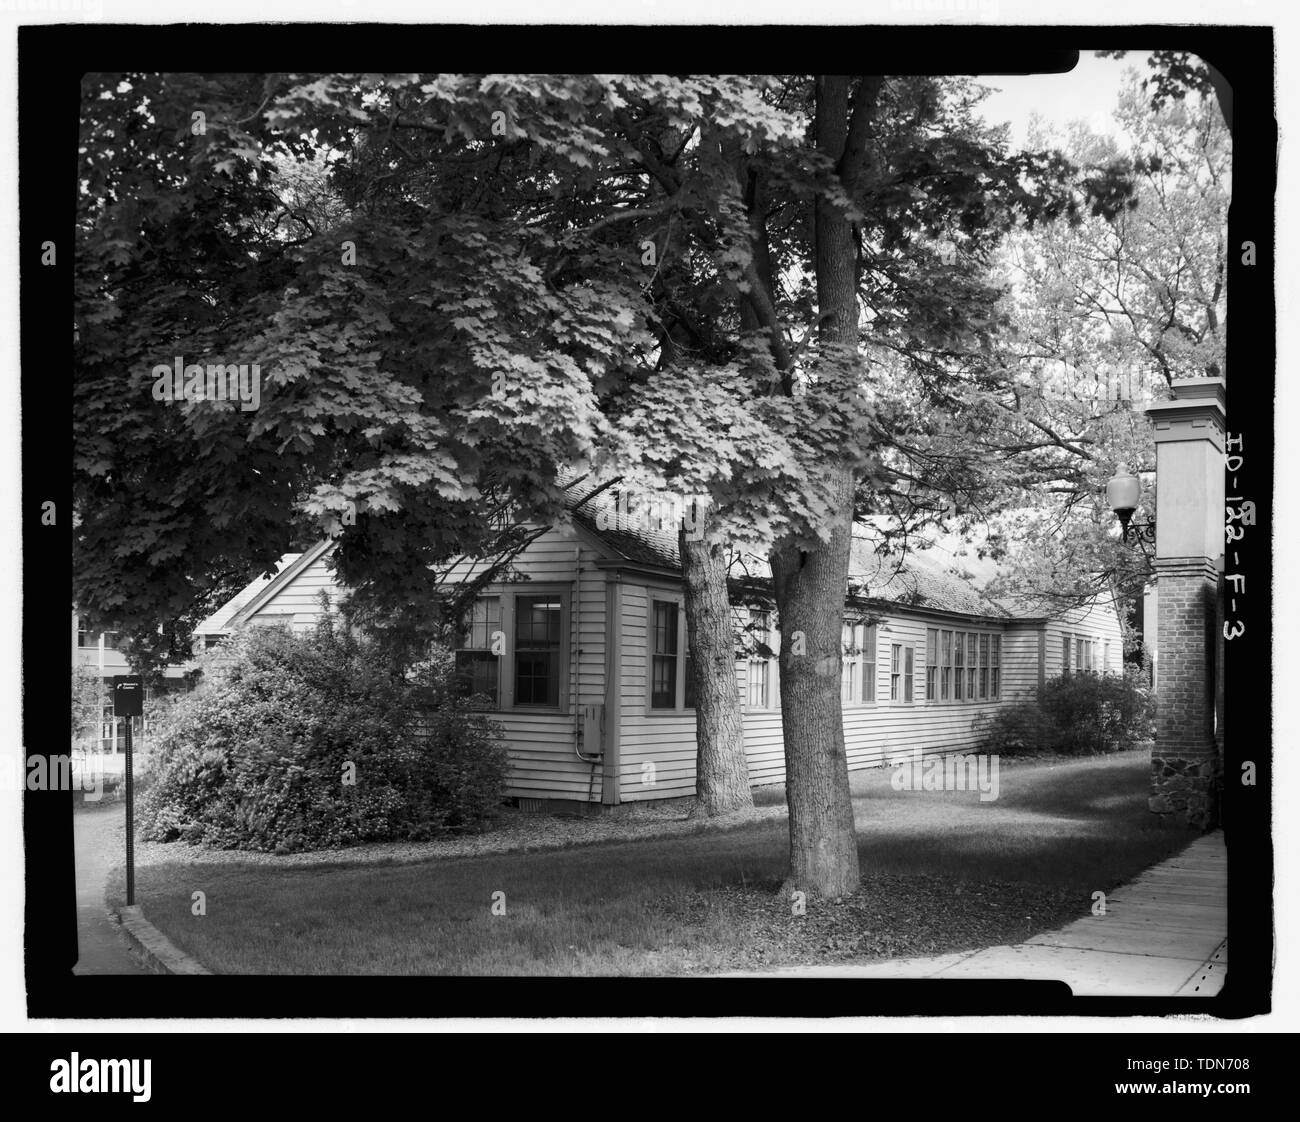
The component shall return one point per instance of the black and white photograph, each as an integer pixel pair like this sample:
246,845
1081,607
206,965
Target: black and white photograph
768,539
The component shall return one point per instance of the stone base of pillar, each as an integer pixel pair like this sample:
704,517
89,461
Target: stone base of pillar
1185,789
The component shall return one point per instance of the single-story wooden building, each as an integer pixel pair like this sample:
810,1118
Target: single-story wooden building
586,657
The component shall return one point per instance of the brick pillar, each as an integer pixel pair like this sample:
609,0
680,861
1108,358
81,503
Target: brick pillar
1186,761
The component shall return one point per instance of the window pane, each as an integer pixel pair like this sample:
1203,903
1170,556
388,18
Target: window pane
909,671
959,664
945,674
537,622
537,655
478,672
665,636
663,686
536,679
663,664
759,634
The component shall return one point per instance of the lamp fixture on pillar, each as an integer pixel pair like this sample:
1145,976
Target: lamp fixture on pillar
1123,493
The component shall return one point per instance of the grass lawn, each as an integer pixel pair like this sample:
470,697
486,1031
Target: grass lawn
941,872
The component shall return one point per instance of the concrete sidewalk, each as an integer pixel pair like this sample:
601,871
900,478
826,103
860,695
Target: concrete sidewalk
1163,935
99,834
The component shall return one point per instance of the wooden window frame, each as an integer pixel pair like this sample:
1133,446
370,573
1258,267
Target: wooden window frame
681,689
468,632
945,664
901,679
509,595
752,659
859,661
958,665
972,664
931,664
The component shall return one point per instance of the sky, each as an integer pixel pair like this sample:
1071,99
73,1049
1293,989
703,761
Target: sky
1088,92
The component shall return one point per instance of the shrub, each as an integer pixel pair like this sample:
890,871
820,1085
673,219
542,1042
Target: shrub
257,756
1075,714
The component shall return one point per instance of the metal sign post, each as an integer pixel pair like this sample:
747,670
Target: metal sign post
128,702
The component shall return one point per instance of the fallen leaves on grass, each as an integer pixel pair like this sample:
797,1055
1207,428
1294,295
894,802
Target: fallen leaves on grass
891,917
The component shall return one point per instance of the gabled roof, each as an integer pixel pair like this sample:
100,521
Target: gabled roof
249,599
218,623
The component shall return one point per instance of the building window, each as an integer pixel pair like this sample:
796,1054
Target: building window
671,672
869,640
858,671
961,665
478,665
531,673
759,660
945,667
995,669
958,663
538,623
901,671
1105,657
1065,654
849,661
972,664
931,664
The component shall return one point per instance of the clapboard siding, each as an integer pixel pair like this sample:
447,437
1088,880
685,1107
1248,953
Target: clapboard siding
1020,662
657,751
1099,622
298,602
542,747
651,755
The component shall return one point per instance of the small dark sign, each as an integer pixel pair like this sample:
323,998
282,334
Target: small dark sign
128,695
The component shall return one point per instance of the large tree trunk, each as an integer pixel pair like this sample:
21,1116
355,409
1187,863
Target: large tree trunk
810,588
811,584
721,771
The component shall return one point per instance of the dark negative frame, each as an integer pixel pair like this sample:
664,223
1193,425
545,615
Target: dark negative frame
52,60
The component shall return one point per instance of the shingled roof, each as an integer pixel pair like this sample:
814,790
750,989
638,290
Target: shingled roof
927,575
